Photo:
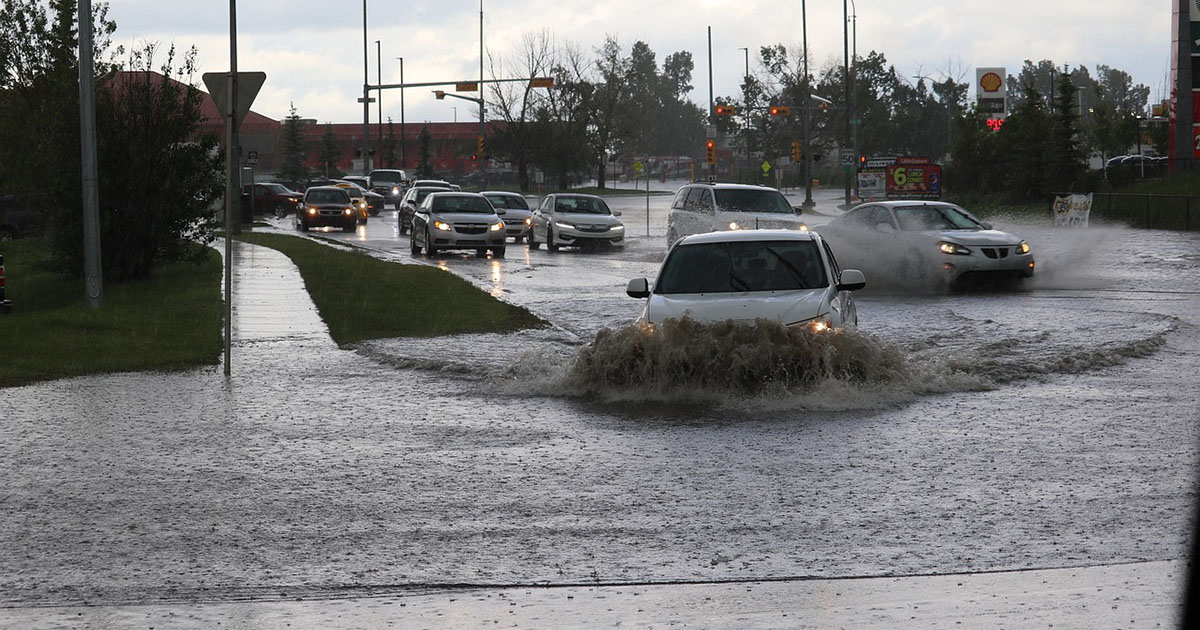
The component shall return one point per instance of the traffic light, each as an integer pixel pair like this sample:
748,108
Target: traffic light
796,151
474,157
481,145
781,110
440,94
725,110
862,161
710,155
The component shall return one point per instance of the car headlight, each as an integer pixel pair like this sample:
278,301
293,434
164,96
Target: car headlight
348,211
565,226
1023,248
312,210
497,226
395,190
733,225
528,220
803,227
818,324
442,225
946,247
617,228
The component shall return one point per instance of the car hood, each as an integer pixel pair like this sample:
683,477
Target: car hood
975,237
328,206
465,217
588,219
787,307
757,220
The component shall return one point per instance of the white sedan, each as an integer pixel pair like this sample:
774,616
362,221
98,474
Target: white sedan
570,219
783,275
926,245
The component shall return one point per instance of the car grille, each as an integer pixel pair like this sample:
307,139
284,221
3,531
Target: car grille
995,252
592,228
470,228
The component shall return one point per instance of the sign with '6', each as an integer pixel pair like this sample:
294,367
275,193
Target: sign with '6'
914,181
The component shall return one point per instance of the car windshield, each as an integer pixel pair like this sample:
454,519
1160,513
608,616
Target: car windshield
734,267
751,200
327,196
463,203
353,191
279,189
921,218
389,177
581,205
509,202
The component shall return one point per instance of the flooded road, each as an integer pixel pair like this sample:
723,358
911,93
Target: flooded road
1050,426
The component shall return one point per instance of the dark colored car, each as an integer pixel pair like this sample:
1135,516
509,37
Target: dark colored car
327,206
272,198
17,218
389,182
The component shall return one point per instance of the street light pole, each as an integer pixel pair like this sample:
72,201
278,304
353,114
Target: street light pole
808,200
481,101
379,96
846,82
403,153
366,99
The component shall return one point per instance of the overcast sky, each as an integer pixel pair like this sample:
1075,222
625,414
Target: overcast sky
312,52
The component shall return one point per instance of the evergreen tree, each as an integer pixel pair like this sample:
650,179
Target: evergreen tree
1065,160
1024,144
425,142
291,166
330,154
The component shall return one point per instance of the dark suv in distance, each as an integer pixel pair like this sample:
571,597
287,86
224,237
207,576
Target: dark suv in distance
327,206
389,182
17,218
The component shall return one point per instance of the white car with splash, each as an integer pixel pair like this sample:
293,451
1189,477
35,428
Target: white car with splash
784,275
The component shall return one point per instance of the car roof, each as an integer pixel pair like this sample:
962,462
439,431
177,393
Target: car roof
453,193
731,186
507,193
893,203
566,194
325,188
738,236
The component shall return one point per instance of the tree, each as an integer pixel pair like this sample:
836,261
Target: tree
1023,140
330,154
1065,157
291,166
516,103
424,145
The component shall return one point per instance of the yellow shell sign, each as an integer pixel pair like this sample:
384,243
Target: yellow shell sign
990,82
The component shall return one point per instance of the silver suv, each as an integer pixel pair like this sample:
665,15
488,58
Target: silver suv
705,207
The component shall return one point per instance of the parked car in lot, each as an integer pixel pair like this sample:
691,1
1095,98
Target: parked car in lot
575,220
514,209
272,198
18,218
327,206
413,197
457,220
784,275
709,207
389,182
931,244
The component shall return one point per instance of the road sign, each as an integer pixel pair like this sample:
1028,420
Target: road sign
766,167
369,99
541,82
252,157
637,168
466,86
847,157
248,85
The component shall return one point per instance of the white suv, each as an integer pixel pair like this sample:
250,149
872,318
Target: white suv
704,207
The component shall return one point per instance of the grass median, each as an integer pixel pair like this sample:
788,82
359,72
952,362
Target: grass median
171,321
361,297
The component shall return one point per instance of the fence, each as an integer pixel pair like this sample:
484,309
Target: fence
1148,210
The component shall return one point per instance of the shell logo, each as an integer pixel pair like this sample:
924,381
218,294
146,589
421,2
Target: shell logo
990,82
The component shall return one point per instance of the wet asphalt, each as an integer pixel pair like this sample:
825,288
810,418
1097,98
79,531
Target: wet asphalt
318,489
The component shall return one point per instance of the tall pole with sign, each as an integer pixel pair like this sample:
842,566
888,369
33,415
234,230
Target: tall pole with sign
808,200
232,171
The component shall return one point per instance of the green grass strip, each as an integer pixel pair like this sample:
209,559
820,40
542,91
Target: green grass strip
361,297
172,321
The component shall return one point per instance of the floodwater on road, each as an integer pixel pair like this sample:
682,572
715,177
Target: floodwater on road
1054,425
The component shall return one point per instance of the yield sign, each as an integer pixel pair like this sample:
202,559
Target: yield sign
248,84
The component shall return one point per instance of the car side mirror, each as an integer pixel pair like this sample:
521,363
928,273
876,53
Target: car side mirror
799,210
638,288
501,211
616,213
851,280
986,225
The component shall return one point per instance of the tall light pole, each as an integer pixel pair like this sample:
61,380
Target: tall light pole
366,101
403,153
481,101
92,266
379,96
854,122
808,200
846,168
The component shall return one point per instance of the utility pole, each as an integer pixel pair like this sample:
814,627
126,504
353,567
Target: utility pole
808,200
846,168
366,101
92,270
403,153
379,97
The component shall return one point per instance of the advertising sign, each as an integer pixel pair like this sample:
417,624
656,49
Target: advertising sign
914,181
1072,210
872,184
991,90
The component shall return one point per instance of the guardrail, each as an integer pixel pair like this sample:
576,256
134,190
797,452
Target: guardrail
1147,210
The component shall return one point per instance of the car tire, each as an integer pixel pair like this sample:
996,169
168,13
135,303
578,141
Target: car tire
481,252
413,247
279,210
497,252
533,244
550,246
430,250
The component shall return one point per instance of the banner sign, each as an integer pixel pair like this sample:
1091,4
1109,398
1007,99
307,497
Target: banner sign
872,184
1072,210
914,181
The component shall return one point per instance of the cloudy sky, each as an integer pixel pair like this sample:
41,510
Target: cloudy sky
312,52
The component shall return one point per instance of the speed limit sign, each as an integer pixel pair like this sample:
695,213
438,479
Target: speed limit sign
847,157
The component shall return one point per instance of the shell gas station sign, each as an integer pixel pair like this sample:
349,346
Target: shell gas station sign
991,91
